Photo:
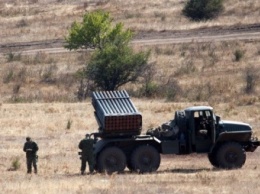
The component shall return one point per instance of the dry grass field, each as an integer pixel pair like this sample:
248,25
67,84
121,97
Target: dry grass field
27,20
59,164
214,71
37,96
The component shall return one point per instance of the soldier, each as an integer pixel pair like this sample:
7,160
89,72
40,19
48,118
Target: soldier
87,155
31,148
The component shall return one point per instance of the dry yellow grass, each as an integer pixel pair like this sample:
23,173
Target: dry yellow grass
49,77
23,20
205,72
59,164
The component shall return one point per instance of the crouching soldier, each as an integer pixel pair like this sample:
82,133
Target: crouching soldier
87,154
31,148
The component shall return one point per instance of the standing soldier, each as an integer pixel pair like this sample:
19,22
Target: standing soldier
31,148
87,154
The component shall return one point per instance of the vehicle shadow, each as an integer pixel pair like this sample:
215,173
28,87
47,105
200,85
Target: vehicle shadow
176,170
188,170
179,170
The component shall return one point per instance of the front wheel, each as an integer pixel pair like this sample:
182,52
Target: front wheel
213,160
213,157
111,159
145,159
231,155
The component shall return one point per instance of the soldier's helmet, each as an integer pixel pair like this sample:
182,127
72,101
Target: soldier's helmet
28,139
87,135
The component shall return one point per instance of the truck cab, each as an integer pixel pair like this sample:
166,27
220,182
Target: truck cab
201,126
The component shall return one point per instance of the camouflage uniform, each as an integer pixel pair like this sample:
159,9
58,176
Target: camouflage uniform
31,148
86,145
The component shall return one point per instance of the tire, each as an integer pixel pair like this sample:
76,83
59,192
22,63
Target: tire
145,159
111,159
213,160
180,120
213,157
129,166
96,168
231,155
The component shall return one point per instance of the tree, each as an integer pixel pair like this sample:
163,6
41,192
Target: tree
115,66
202,9
95,31
113,63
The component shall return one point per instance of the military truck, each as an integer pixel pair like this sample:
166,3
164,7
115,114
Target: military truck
120,144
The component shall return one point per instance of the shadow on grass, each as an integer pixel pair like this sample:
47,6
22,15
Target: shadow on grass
127,172
179,170
188,170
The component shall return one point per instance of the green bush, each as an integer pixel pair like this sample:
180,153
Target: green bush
238,55
172,89
13,57
251,77
15,165
202,9
69,123
149,90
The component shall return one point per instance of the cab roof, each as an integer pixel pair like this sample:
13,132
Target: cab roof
199,108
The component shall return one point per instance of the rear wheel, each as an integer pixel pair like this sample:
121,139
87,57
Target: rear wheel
231,155
145,159
130,166
111,159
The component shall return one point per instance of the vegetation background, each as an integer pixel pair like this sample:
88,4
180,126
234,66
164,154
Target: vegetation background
39,96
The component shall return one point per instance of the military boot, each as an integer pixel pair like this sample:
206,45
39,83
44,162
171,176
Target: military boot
29,171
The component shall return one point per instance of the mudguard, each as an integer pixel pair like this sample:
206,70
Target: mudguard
241,136
99,145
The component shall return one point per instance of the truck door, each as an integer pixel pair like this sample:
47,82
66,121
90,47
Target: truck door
204,131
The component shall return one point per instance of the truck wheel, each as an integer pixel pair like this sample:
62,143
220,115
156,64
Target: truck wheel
180,120
111,159
130,166
213,159
231,155
145,159
96,168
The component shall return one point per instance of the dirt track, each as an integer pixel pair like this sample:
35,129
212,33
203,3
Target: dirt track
246,32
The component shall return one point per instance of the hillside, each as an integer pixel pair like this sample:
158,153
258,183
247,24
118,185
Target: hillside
49,76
